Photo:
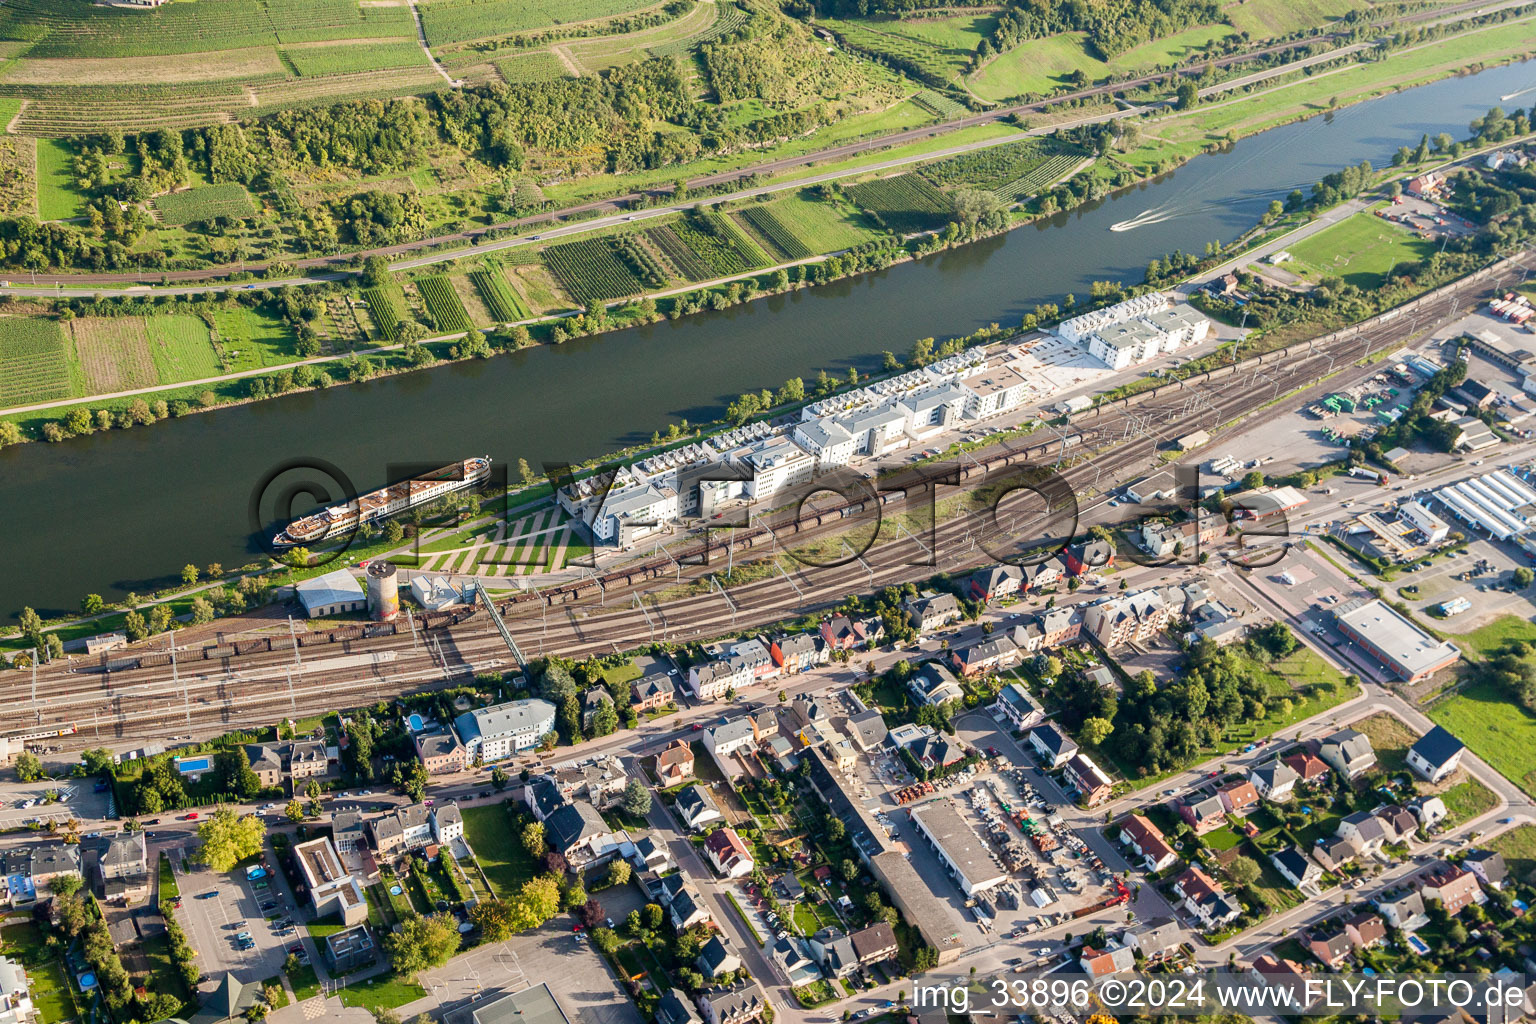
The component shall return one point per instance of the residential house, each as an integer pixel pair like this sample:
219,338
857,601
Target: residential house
1402,908
1238,797
1435,754
1051,746
874,944
840,633
1488,866
1399,822
676,1008
1016,707
1349,753
347,831
835,952
1308,769
796,652
1430,811
1027,636
447,823
307,759
742,1003
1452,886
713,680
687,908
1060,626
722,741
1331,945
1366,930
674,765
1130,617
1364,829
1204,899
989,654
501,730
1296,867
930,611
1092,554
791,956
117,867
1102,963
1286,978
266,762
578,832
593,700
1333,852
728,854
866,729
934,684
1088,779
653,690
1154,939
759,663
716,958
440,751
935,750
1142,836
651,854
542,795
1274,781
1203,814
697,808
996,583
16,1005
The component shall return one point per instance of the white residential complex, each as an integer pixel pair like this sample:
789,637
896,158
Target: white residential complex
502,730
1136,330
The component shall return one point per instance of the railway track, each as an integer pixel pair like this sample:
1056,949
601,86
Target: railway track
275,680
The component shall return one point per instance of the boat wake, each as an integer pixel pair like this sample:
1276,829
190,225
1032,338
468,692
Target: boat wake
1146,218
1511,95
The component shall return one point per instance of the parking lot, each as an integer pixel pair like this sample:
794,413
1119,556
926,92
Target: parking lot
216,908
22,802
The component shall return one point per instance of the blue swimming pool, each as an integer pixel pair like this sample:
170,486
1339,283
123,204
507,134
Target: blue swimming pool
187,765
415,723
1418,945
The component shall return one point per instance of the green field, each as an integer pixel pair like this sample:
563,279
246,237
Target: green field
590,271
500,298
818,227
1518,846
381,992
1493,635
386,307
443,303
502,856
1041,66
181,348
1267,18
309,61
57,197
902,202
457,21
251,339
34,361
1495,729
1361,249
204,203
940,50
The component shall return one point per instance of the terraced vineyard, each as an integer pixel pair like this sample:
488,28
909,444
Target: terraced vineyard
939,104
705,22
443,303
458,21
498,296
590,271
942,64
34,361
205,203
903,202
728,18
778,234
387,310
1038,178
312,61
536,66
687,263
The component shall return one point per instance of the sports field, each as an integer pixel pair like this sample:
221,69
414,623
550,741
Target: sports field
1361,250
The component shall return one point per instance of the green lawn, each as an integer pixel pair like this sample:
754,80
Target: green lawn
251,339
50,992
324,927
169,890
1495,729
1466,800
305,983
57,197
1518,846
1361,249
624,673
501,854
386,991
1493,635
276,981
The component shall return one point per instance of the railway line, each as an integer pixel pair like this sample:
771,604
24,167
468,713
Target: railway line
259,679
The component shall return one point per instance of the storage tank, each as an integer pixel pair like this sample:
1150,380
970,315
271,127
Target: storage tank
383,591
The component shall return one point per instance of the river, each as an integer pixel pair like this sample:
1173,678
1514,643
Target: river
124,510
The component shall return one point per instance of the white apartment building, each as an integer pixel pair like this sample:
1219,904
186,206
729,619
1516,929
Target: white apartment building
1125,344
1182,325
1078,329
502,730
879,429
1000,389
828,441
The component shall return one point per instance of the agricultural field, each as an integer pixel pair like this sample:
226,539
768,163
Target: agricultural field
114,353
248,339
719,242
458,21
1361,250
309,61
386,307
443,304
591,271
817,227
774,232
57,196
1041,66
181,348
204,203
1263,19
534,66
498,295
1009,171
941,105
687,263
34,361
703,21
18,181
942,55
902,202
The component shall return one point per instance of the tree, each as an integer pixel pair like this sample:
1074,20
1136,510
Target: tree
835,828
537,901
1253,480
65,885
202,611
637,799
524,472
375,271
618,872
1096,730
1524,576
91,604
493,918
294,811
498,778
533,838
1187,95
227,839
98,760
422,942
189,573
312,790
1243,870
28,767
413,780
